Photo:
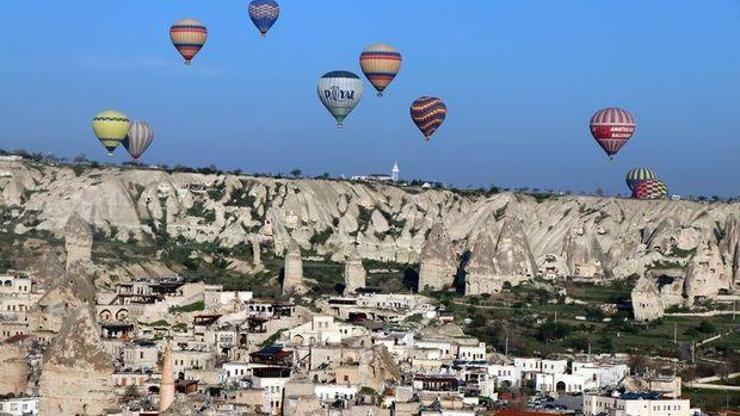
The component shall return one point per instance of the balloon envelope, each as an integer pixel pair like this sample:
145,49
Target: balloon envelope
612,128
650,189
188,36
638,174
380,63
340,91
428,114
264,14
111,127
140,137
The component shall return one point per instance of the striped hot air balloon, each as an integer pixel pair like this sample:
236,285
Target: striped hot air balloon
340,91
264,14
638,174
612,128
188,36
111,127
381,64
140,137
650,189
428,114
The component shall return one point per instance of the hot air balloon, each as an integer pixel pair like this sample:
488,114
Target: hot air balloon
612,128
381,64
428,113
638,174
340,91
650,189
264,14
188,36
111,127
140,136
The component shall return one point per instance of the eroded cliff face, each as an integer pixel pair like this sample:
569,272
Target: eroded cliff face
595,237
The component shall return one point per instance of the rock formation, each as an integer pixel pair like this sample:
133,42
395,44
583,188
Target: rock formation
583,253
354,271
730,248
78,240
438,260
77,370
513,257
481,274
500,255
167,384
606,237
15,369
293,270
646,303
256,253
181,407
706,274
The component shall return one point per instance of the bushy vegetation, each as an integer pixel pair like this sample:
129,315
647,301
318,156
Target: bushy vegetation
193,307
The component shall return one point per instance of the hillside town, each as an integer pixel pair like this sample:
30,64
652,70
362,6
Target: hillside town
172,345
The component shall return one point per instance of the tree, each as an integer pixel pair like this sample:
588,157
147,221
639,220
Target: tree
296,173
638,363
599,192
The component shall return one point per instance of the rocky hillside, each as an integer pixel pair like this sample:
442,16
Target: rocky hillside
566,235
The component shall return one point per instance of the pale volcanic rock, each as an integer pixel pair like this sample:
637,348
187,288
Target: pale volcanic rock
15,369
605,237
583,253
730,247
293,270
378,222
481,270
354,271
514,260
78,240
77,370
706,273
665,236
438,260
646,302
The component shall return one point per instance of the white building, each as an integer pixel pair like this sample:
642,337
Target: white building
601,375
561,383
233,371
635,404
323,330
380,177
472,352
272,380
444,348
19,406
333,392
531,366
506,375
140,356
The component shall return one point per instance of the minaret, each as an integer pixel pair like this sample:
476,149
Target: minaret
395,171
167,385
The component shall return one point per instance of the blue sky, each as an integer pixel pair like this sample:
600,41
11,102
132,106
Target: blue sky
521,79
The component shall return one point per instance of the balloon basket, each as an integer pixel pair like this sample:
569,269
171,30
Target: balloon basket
188,63
340,125
380,93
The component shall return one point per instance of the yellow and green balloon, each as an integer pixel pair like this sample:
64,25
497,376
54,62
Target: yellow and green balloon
111,127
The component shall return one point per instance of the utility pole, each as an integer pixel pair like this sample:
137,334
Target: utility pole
734,309
556,316
506,347
693,348
589,351
675,333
